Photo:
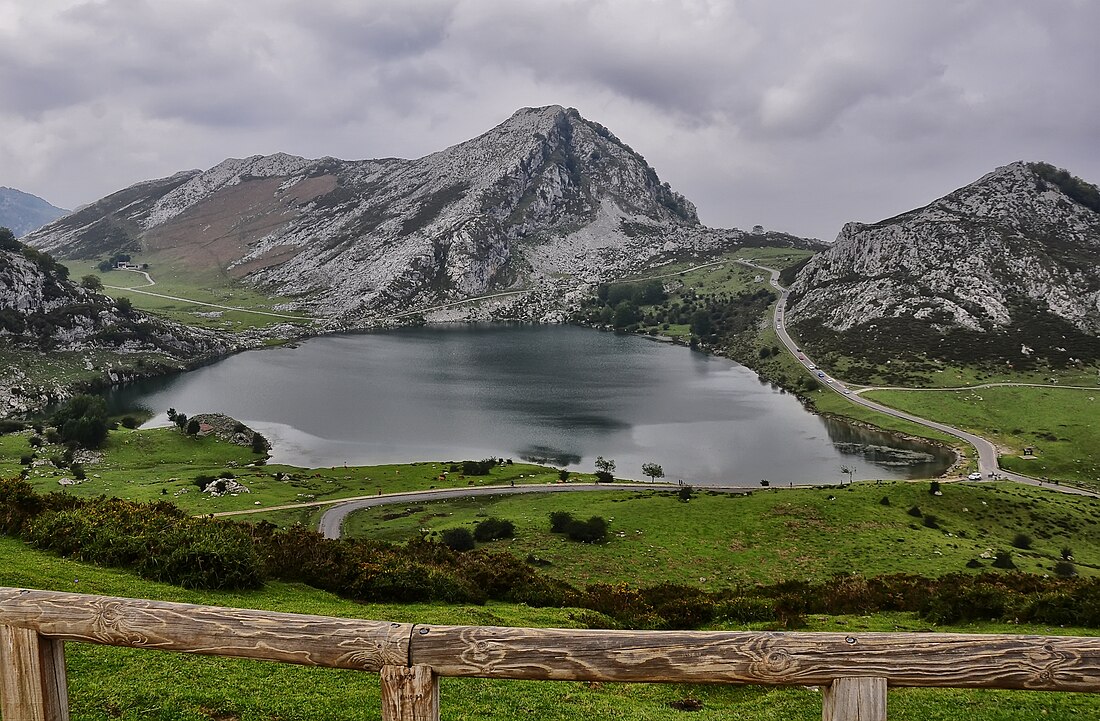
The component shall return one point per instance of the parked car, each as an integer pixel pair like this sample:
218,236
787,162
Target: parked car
975,477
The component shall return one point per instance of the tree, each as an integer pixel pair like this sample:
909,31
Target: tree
259,443
91,282
83,421
181,420
563,475
124,306
192,427
605,469
653,470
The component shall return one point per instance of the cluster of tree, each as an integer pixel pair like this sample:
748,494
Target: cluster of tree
1084,193
476,468
711,318
82,421
594,530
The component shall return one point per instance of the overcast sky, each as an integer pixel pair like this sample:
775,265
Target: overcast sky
796,114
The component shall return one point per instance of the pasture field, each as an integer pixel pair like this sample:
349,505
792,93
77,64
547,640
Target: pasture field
1062,425
718,540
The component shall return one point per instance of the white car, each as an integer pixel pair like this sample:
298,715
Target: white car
975,477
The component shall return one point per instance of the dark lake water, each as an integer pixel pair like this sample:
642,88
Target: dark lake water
557,394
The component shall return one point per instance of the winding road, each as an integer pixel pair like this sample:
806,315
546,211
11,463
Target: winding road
987,451
150,281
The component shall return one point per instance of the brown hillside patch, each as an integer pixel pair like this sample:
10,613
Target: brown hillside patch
221,229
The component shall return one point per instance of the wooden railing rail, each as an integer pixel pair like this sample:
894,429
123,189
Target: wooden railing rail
855,669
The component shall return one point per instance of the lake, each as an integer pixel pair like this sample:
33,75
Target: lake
555,394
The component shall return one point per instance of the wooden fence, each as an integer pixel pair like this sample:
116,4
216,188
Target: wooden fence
854,670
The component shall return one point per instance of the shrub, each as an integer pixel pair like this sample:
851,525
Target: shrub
36,441
559,521
1021,540
7,426
885,501
974,563
26,459
934,487
78,471
593,530
915,511
1064,569
685,493
478,468
492,529
458,539
192,427
203,481
931,521
129,422
1003,559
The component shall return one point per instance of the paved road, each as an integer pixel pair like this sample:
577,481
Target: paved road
987,451
332,520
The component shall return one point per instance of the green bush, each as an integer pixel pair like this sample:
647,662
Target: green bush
458,539
559,520
594,530
492,529
1022,541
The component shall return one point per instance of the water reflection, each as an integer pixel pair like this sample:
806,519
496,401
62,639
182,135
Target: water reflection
559,394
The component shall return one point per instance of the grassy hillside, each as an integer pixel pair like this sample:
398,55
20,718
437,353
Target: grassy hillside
717,540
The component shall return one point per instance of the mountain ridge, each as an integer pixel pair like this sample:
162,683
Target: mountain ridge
544,195
1012,250
22,212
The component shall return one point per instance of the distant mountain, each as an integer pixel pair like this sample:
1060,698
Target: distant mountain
1006,269
42,311
543,196
22,212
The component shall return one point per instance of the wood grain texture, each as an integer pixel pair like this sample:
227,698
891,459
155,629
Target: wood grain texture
33,686
854,699
812,659
209,630
409,694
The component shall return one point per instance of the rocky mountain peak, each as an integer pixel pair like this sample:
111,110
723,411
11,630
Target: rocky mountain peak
1017,246
545,193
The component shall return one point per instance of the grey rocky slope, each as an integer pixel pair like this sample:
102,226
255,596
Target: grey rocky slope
44,314
1007,267
545,195
22,212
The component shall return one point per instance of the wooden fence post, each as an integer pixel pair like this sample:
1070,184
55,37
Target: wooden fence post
409,693
33,686
854,699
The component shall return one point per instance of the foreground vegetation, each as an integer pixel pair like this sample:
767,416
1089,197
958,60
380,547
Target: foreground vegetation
162,686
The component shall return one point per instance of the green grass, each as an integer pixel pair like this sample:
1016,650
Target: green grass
1063,425
117,683
162,463
205,286
718,540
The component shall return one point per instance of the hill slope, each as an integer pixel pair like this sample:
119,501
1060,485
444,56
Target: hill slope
543,195
43,312
1006,269
23,212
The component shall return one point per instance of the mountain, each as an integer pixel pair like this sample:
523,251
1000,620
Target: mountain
22,212
1006,268
43,314
544,195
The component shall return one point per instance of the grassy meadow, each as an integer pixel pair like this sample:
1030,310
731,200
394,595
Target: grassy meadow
718,540
161,464
1061,424
209,285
